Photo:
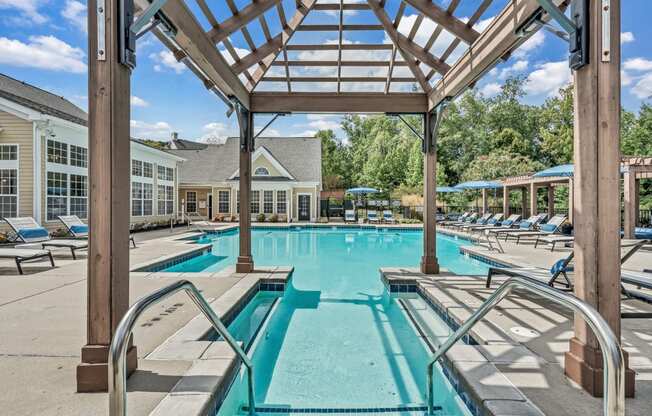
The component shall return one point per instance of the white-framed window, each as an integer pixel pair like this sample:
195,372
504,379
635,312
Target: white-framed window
160,200
148,198
255,202
164,173
79,195
281,202
78,156
8,152
136,168
147,170
8,189
57,195
223,202
160,172
165,197
237,202
268,202
169,174
191,201
136,199
57,152
261,171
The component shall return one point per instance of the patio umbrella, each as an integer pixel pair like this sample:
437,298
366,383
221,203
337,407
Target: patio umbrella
561,170
447,189
362,190
479,185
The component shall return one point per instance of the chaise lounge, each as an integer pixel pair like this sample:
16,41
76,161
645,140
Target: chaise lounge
78,229
28,231
22,255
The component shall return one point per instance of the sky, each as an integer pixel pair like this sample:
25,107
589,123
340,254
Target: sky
44,42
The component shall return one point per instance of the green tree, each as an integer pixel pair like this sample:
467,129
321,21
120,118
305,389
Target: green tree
556,128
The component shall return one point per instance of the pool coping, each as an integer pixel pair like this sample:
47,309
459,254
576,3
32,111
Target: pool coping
214,364
471,369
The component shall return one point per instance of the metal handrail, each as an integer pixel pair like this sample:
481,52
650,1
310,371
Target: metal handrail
612,354
118,349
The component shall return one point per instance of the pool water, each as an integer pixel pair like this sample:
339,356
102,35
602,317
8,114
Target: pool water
337,339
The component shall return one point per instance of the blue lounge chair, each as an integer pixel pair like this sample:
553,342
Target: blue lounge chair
500,225
28,231
549,228
490,222
372,217
388,217
480,221
78,229
349,215
560,268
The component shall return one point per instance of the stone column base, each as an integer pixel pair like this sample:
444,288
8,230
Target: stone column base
429,265
583,364
245,264
92,372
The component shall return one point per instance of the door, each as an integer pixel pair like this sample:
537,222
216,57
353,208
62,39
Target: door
304,207
210,206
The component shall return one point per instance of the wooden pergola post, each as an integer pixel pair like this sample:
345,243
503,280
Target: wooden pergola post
630,203
429,263
596,210
109,196
533,199
551,200
245,263
485,201
524,201
506,201
571,200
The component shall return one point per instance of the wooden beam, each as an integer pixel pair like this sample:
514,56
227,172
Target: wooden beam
241,19
340,79
443,18
343,63
272,47
390,71
335,28
493,43
345,47
269,102
345,6
303,8
403,45
429,263
435,34
197,46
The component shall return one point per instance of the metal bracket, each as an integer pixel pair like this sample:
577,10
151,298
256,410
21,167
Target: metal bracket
269,123
245,121
101,30
131,29
432,121
606,31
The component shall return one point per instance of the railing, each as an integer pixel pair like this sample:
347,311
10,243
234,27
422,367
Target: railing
612,355
118,350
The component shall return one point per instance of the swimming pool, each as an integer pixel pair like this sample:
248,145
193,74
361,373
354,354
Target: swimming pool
337,339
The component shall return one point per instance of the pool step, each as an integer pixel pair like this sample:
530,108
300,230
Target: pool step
403,410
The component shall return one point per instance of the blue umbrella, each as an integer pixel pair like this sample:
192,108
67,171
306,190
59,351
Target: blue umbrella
479,185
362,190
561,170
447,189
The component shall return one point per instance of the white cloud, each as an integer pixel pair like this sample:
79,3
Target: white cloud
625,78
305,133
138,102
75,13
239,51
27,8
638,64
516,67
627,37
491,89
535,41
217,133
159,130
643,87
548,79
44,52
166,59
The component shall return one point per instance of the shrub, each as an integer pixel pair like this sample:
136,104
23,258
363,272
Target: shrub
260,217
273,218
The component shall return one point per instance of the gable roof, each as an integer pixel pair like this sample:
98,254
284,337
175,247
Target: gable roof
40,100
262,151
300,156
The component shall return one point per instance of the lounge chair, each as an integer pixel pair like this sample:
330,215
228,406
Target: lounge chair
489,223
480,221
500,225
372,217
468,220
460,218
547,229
525,225
553,240
21,255
78,229
537,273
31,233
349,215
388,217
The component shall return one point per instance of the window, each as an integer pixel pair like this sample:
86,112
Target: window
223,202
8,191
169,174
79,195
191,201
147,198
136,199
147,170
261,171
8,152
136,168
78,156
165,198
268,202
237,202
57,195
57,152
281,202
164,173
255,202
160,200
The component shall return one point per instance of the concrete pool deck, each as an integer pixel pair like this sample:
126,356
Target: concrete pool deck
42,321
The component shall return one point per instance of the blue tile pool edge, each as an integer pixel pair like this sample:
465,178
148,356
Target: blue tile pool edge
173,260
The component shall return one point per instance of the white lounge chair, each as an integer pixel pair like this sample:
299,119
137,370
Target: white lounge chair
349,215
21,255
78,229
537,273
388,216
552,240
547,229
372,217
31,233
480,221
490,222
500,225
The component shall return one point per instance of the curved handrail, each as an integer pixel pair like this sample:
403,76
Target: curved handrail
119,344
612,354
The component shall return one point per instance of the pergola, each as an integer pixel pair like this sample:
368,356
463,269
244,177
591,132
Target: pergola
265,80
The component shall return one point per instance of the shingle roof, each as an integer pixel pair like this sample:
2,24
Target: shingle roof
301,156
40,100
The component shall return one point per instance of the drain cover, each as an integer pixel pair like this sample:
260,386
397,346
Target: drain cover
524,332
